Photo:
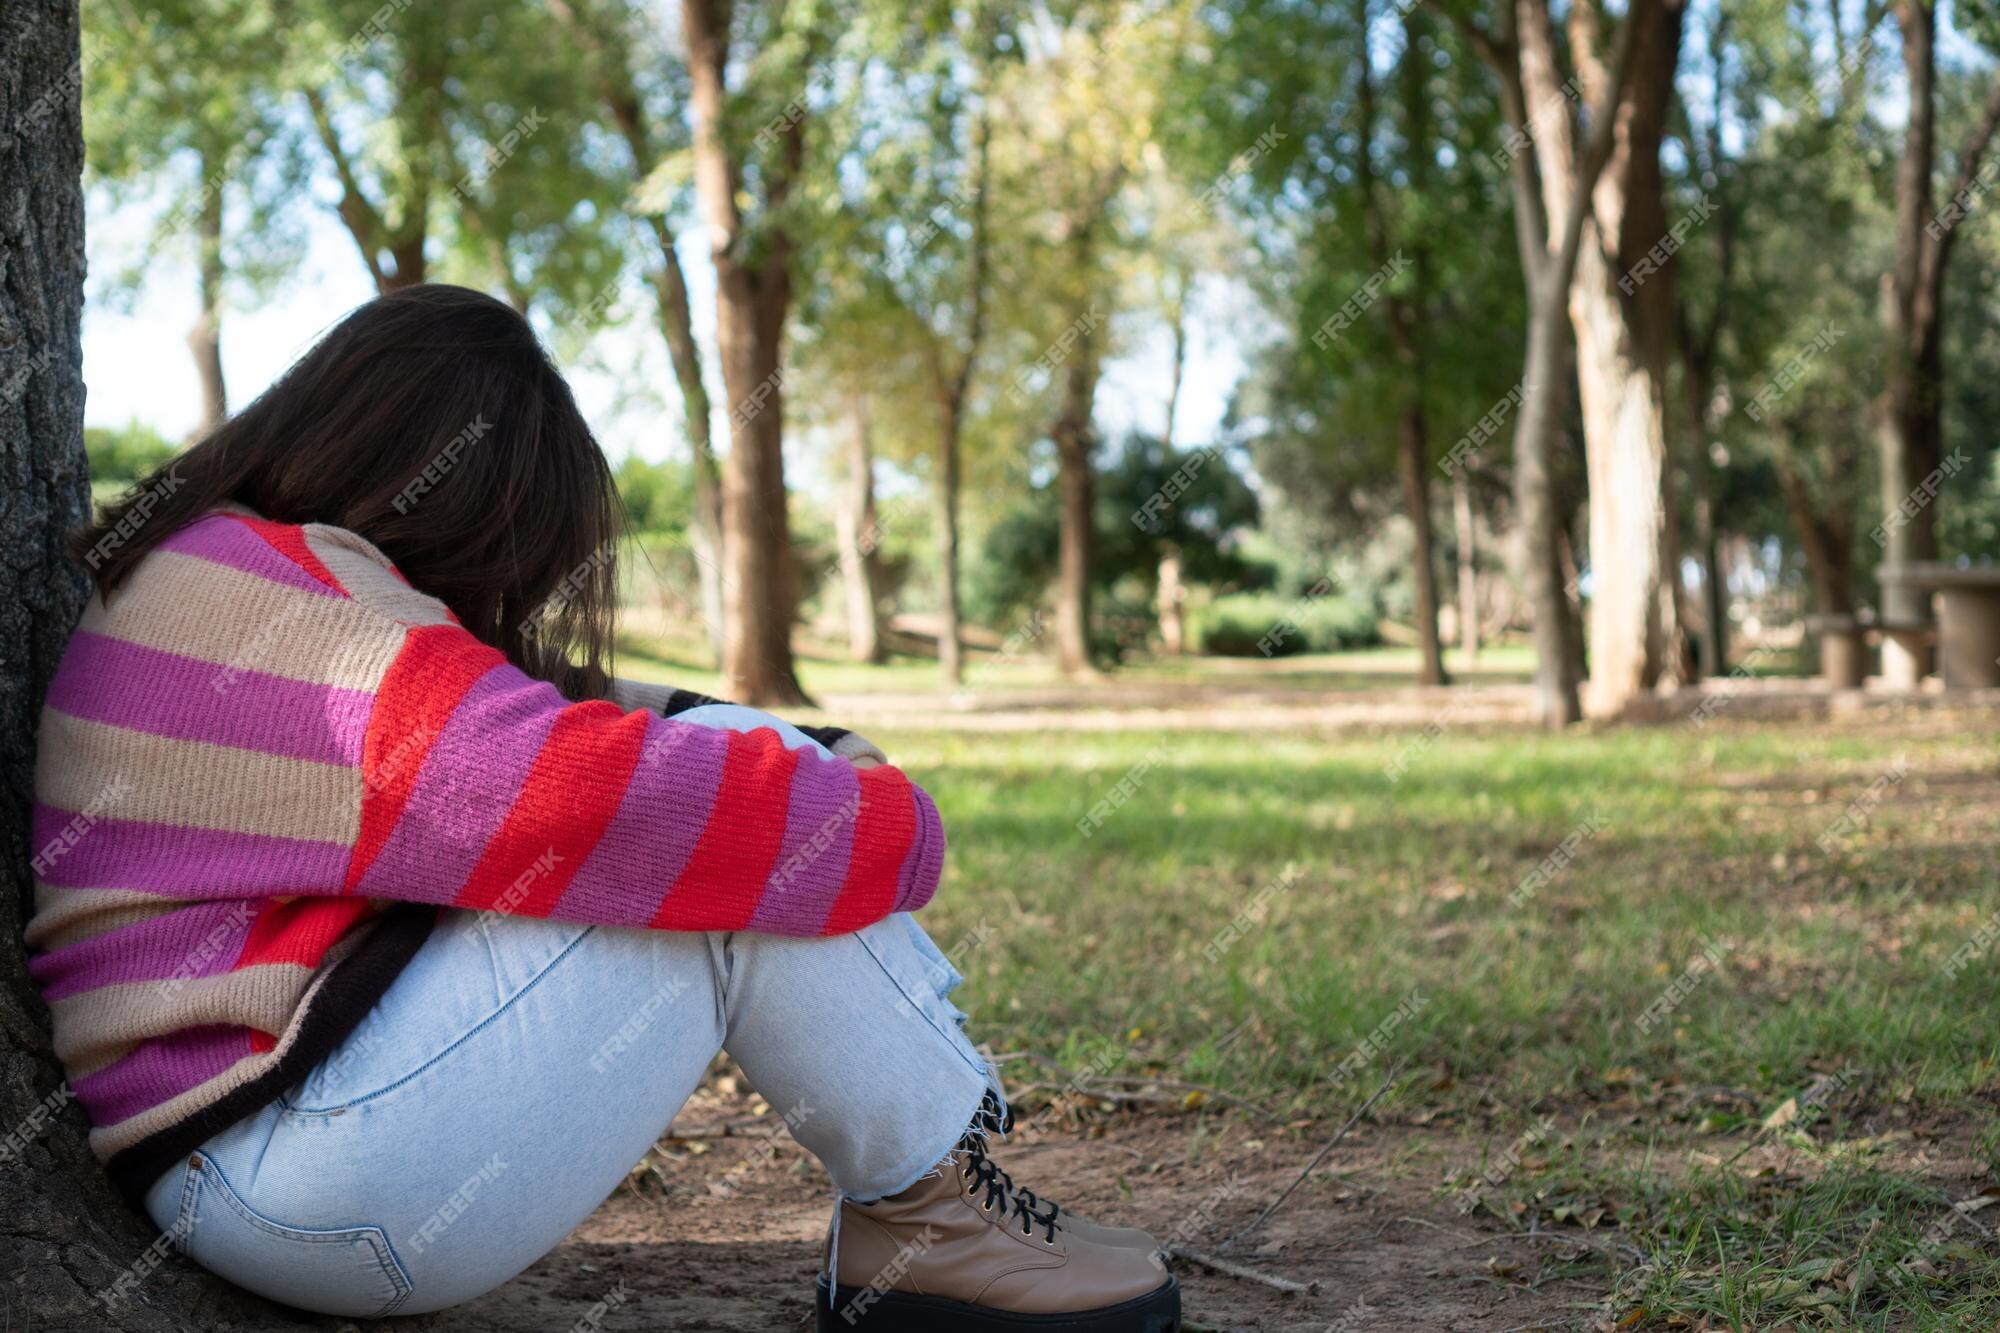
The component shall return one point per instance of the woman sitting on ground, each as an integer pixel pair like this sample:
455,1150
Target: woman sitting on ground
384,931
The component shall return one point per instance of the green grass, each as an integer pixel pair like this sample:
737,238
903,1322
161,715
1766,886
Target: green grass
1093,947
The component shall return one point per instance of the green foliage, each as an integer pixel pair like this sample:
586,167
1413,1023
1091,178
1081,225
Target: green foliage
1148,499
185,100
1263,624
658,496
120,456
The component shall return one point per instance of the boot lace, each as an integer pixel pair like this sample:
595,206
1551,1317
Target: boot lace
982,1172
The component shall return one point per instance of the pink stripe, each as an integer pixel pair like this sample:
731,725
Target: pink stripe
222,540
171,859
666,807
160,1070
819,839
925,864
199,940
468,783
109,680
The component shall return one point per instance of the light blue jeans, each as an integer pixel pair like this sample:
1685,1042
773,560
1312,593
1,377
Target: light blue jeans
514,1072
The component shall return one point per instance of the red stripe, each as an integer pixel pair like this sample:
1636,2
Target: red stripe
569,796
299,930
261,1042
883,830
418,694
289,540
725,875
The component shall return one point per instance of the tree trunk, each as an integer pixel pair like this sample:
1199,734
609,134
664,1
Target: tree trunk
205,338
677,329
1827,543
1413,464
1468,570
1073,437
951,392
1551,181
1413,444
1171,603
1622,318
950,650
612,75
1170,594
1695,378
855,519
752,299
1535,437
1910,413
757,647
64,1235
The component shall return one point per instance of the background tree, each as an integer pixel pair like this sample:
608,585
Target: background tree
753,135
187,114
650,123
1621,310
1910,413
1554,164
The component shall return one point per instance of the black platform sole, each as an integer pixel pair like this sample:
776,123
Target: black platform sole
900,1312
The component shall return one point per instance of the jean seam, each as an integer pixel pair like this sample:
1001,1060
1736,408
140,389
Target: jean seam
457,1042
376,1238
967,1054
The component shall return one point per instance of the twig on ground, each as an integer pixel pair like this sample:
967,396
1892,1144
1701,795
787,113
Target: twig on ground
1318,1157
1181,1085
1221,1265
723,1129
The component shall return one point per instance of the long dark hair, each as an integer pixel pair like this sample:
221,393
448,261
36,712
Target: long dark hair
431,422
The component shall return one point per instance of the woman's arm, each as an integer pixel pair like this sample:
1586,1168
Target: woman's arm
587,812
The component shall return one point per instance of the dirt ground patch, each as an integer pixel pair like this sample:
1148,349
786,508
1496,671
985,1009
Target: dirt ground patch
729,1238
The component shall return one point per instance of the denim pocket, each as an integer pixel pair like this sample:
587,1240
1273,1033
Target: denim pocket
349,1271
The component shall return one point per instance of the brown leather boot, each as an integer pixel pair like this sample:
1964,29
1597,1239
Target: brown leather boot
966,1249
1124,1238
994,1117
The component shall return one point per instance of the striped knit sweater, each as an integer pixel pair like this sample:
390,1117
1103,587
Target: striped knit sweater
267,761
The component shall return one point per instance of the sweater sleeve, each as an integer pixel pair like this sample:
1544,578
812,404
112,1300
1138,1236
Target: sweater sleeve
484,789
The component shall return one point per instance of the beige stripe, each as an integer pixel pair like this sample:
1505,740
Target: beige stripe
111,1019
196,784
197,608
365,573
110,1140
107,1141
65,916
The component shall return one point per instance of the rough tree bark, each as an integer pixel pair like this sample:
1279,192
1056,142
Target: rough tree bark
753,293
1910,411
857,535
205,338
1551,183
64,1235
1622,318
